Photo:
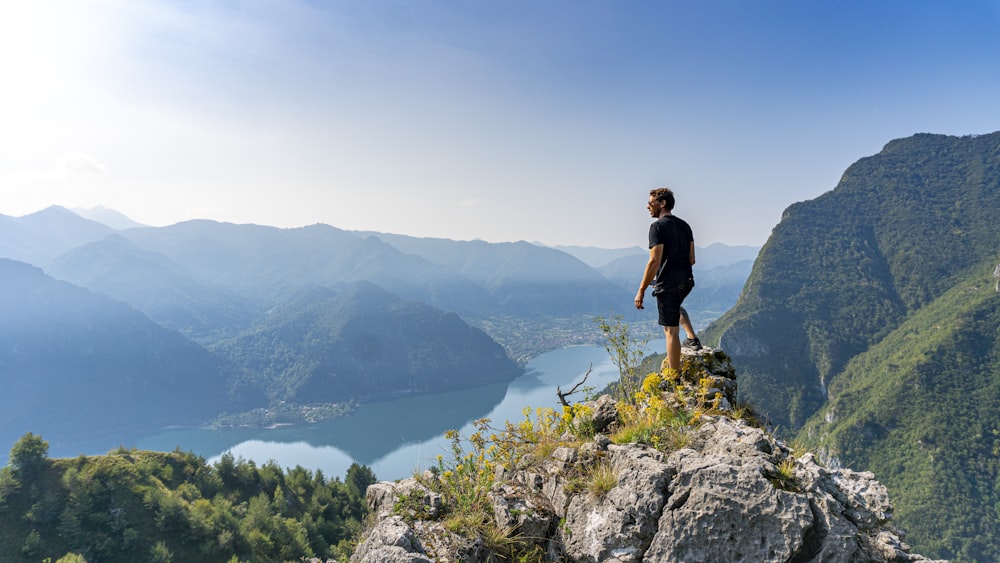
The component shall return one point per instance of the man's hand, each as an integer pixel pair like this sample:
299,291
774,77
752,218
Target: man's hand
638,299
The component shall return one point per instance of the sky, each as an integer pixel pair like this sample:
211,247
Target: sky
537,120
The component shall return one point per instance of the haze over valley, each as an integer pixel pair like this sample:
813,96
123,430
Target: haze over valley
266,324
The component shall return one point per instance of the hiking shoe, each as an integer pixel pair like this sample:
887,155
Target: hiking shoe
692,343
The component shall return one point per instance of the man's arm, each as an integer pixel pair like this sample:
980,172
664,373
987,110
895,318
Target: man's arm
655,255
692,253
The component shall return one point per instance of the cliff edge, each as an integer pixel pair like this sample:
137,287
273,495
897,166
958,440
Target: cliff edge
676,473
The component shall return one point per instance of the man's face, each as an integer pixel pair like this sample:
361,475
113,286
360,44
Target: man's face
654,206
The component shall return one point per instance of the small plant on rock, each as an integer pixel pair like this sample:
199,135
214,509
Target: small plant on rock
529,439
464,483
579,420
601,480
784,476
626,351
654,419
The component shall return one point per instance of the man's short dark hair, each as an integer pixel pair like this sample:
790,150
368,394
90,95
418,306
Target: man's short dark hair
664,195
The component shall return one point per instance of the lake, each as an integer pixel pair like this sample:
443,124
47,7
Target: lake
395,438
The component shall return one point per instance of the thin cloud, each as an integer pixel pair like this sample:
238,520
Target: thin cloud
77,161
68,166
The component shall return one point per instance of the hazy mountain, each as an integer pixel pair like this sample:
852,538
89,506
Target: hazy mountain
266,263
16,241
262,264
872,308
41,236
711,256
110,217
716,287
718,255
154,285
598,257
77,366
361,343
523,279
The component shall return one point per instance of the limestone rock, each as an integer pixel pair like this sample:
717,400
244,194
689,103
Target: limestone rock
619,525
390,541
605,413
731,492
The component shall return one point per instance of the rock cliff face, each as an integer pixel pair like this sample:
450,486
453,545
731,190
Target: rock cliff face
730,492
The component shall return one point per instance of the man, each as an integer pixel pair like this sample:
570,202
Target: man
671,255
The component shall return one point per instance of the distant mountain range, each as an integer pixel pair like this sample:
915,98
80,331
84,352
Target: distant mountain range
40,237
312,314
157,286
109,217
869,326
520,279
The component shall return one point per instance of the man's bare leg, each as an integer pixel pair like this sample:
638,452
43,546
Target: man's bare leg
672,334
686,324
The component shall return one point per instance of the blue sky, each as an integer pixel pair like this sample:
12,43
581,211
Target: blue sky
502,120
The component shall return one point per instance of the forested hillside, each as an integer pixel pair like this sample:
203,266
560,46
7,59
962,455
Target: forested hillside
920,410
362,342
906,244
158,507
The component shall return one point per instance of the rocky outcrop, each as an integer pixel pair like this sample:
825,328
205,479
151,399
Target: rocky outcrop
729,492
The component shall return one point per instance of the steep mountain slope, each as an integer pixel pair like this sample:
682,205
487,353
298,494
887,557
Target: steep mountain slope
873,310
937,448
156,286
841,271
78,366
362,343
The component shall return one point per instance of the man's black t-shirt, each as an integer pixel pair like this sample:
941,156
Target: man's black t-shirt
676,237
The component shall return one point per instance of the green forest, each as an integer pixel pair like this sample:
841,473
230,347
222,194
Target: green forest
132,505
937,448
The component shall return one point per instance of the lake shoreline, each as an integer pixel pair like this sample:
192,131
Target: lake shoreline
393,437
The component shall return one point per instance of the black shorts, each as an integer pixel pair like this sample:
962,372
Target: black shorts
668,303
